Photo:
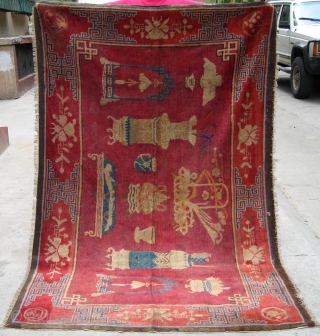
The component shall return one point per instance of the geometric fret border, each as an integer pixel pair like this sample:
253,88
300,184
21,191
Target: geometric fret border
103,30
41,287
224,316
212,25
253,68
66,191
271,286
213,29
249,197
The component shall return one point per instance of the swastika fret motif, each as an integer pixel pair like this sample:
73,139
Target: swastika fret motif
96,315
41,287
213,25
238,299
230,48
253,68
66,191
74,299
270,286
249,197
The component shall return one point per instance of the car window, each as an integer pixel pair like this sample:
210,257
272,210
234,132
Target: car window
307,13
285,17
277,8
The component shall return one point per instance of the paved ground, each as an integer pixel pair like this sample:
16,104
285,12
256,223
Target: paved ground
297,188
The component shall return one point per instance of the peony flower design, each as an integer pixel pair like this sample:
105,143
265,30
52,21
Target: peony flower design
253,254
157,314
63,129
248,135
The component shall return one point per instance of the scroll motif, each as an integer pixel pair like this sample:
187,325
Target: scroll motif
177,260
105,198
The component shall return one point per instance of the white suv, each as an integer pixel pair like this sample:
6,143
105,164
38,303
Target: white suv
298,33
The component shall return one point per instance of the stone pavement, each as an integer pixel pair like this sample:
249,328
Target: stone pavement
297,189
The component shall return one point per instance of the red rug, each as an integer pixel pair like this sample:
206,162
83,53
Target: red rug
155,207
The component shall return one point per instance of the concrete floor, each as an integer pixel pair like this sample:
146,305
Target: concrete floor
297,189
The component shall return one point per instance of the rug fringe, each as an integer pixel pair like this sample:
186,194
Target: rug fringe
278,258
295,291
10,311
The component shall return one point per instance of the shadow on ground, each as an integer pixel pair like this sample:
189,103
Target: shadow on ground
284,86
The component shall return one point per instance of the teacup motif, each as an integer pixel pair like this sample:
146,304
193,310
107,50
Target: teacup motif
147,235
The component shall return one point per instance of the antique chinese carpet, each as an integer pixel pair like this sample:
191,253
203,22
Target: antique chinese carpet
155,204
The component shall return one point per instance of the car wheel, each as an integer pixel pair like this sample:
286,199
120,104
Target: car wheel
301,82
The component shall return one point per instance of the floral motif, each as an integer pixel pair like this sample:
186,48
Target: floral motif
63,130
57,250
158,29
159,314
248,135
253,255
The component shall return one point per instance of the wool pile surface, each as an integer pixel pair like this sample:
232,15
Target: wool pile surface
155,204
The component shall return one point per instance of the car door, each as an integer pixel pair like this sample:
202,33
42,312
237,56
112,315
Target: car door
284,34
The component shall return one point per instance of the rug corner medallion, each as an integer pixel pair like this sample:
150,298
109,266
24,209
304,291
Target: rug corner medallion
155,208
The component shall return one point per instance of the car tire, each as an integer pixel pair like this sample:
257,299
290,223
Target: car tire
301,82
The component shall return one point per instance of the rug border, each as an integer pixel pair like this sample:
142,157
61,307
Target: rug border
269,180
269,187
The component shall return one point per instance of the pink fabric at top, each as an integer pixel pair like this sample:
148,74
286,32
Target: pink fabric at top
156,2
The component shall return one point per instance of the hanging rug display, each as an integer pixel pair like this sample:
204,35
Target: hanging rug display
155,206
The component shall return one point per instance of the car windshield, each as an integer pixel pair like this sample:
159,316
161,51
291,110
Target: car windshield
306,13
